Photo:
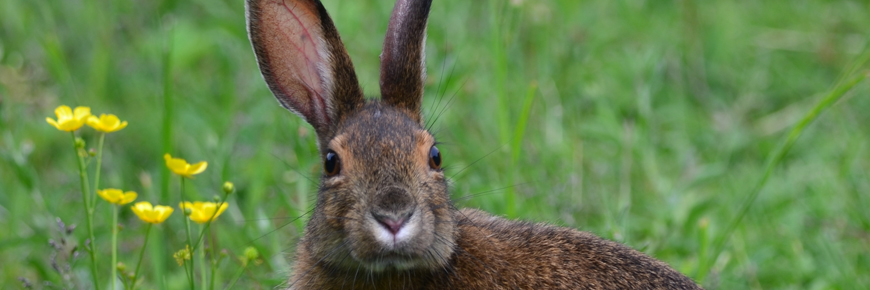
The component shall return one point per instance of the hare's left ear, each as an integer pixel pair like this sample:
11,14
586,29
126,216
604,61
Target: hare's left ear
403,60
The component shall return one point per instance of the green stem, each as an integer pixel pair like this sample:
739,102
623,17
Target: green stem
125,281
141,254
97,174
187,229
83,175
114,246
202,271
238,275
211,246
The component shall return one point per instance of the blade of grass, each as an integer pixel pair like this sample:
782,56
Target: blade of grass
499,28
168,108
775,159
520,127
518,132
158,251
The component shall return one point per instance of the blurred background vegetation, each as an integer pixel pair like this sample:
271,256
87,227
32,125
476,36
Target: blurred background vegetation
645,122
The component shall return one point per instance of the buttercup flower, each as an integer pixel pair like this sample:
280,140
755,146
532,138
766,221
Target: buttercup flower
181,167
201,212
69,120
151,214
106,123
117,196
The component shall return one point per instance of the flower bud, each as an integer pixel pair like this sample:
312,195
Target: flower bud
182,255
121,267
92,152
216,198
187,211
251,253
228,187
80,143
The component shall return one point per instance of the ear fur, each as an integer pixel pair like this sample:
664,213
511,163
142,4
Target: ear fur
403,63
303,61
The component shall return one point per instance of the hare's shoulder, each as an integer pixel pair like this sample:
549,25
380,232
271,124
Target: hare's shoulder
528,255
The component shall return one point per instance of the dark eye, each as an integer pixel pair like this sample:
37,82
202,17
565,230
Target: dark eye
331,165
434,158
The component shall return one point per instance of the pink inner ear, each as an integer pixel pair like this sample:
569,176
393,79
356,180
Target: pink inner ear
297,57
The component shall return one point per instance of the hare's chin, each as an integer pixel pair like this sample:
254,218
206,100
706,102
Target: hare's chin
392,262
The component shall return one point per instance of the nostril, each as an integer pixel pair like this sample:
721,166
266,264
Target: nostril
391,224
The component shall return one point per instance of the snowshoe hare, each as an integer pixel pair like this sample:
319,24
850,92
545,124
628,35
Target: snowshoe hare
383,218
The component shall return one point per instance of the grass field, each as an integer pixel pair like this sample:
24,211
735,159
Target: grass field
646,122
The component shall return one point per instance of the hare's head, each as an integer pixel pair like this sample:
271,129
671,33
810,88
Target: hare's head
383,200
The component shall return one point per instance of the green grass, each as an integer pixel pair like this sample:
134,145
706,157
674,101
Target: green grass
640,121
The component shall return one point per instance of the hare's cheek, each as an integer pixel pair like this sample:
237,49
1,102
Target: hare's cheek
337,209
425,235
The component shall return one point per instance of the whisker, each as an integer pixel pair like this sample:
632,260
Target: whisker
478,160
341,218
332,252
346,255
476,194
357,273
291,167
449,102
437,92
281,227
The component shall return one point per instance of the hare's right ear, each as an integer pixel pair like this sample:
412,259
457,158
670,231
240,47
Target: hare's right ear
303,61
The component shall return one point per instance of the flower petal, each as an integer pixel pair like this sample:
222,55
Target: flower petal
120,126
82,113
128,197
178,166
197,168
110,121
63,112
221,210
186,204
110,194
52,122
143,210
161,213
94,122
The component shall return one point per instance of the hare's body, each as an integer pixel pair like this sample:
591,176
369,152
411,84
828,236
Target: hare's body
494,253
383,218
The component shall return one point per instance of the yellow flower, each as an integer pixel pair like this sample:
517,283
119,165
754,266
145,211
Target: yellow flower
151,214
201,212
117,196
106,123
69,121
181,167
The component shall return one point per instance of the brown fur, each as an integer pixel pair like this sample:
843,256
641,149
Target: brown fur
494,253
383,219
403,68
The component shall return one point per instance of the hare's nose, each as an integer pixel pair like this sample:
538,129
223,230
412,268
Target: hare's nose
393,224
393,208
